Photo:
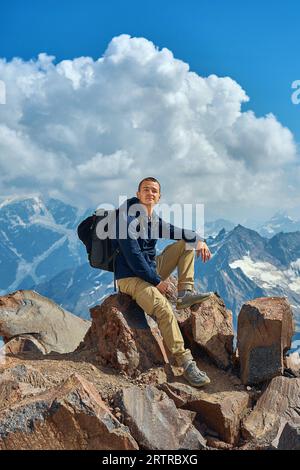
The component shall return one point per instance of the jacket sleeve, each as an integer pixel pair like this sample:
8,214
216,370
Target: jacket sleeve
171,232
133,255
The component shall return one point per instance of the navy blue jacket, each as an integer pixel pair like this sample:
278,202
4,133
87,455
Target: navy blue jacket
137,255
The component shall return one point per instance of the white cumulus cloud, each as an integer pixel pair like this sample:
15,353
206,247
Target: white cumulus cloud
88,130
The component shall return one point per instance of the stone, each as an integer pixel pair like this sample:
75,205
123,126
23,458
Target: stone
209,325
71,416
23,344
26,312
217,444
212,330
288,437
20,381
155,422
123,336
280,400
265,330
220,411
179,392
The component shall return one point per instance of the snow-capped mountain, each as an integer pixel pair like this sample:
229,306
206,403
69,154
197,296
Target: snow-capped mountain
37,241
280,222
211,229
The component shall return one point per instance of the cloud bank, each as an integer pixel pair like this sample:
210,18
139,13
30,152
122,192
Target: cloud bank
88,130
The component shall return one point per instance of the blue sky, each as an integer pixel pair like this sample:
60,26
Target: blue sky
253,42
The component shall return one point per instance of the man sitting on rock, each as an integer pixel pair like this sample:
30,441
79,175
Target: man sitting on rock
142,275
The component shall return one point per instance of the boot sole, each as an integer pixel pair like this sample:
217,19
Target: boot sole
199,385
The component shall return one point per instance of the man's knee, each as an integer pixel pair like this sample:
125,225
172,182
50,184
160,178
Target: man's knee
180,244
184,246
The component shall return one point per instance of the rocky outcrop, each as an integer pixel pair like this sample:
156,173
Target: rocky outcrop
123,336
26,312
280,400
155,422
70,416
265,330
117,390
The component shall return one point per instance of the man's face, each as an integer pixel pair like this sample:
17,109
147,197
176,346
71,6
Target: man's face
149,193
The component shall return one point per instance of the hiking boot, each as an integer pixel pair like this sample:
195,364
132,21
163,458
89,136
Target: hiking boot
195,376
189,298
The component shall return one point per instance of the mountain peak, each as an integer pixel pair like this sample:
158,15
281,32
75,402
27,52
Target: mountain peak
36,197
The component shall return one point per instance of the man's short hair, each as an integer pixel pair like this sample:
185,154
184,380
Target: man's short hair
149,178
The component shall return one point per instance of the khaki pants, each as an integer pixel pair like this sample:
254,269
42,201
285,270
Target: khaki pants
156,304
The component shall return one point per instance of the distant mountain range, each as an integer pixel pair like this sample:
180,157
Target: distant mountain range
280,222
39,249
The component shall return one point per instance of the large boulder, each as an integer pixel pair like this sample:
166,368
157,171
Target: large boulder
280,400
265,330
155,422
123,337
220,411
70,416
213,330
26,312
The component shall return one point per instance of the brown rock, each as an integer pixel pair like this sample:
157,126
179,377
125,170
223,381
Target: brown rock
69,416
27,312
213,330
123,337
155,422
222,412
217,444
179,392
20,381
265,330
221,405
209,325
281,400
23,344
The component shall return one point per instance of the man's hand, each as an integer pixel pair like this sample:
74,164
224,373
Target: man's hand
203,250
163,287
